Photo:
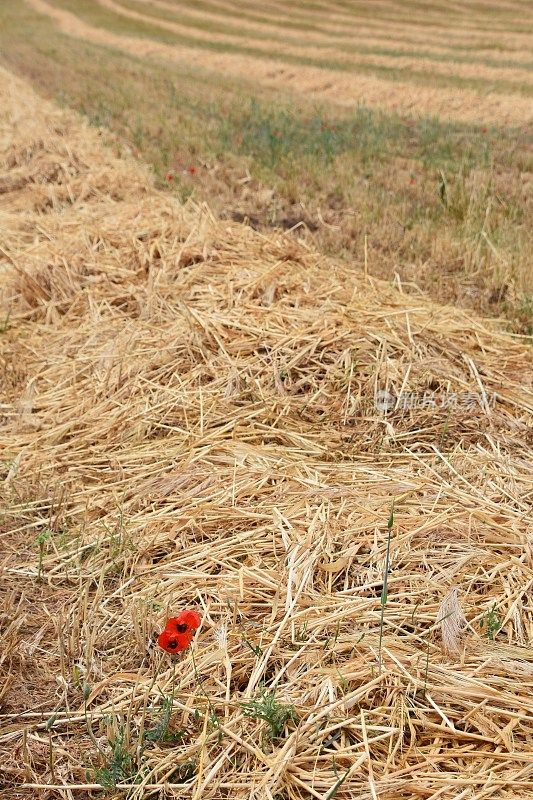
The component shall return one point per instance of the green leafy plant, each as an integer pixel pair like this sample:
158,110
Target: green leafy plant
491,622
256,650
214,722
5,324
51,761
302,634
160,732
119,766
338,783
86,695
41,540
274,713
184,772
384,591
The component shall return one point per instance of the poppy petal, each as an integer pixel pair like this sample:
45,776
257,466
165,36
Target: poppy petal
171,642
184,621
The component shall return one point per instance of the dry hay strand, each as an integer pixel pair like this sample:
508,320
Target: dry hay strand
188,419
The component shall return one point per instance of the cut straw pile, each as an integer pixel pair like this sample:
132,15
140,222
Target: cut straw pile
188,421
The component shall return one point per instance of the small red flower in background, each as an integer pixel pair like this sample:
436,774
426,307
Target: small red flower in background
169,176
191,170
179,632
484,130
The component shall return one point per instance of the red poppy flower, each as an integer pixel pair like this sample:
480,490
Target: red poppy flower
184,621
191,170
179,632
170,176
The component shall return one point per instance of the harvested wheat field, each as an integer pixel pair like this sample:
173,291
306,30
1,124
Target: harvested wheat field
395,135
189,421
330,53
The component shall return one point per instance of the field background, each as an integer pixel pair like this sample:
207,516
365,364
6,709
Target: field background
193,331
397,134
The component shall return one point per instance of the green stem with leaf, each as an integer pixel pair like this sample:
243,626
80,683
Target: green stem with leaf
384,591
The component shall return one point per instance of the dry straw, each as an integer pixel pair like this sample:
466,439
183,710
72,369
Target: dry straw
188,420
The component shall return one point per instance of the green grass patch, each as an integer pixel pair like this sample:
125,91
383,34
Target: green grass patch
276,136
